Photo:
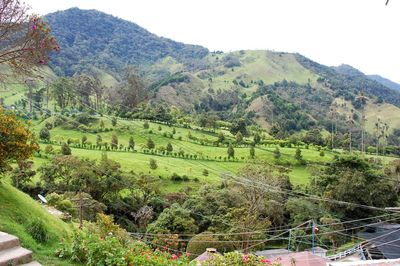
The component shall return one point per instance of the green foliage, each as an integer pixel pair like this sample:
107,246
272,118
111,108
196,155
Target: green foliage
150,144
44,134
277,153
105,243
353,179
257,138
84,140
174,219
299,157
153,164
205,172
22,175
114,142
146,125
37,229
239,137
129,43
65,149
314,136
49,149
221,137
239,126
231,151
236,258
113,121
252,152
131,143
169,147
199,243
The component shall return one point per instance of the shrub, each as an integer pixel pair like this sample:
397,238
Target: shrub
146,125
205,172
38,231
65,149
175,177
153,164
150,144
49,149
44,134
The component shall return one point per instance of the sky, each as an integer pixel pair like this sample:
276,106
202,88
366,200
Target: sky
361,33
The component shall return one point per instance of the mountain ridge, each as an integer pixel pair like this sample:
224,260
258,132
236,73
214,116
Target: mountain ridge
245,83
91,37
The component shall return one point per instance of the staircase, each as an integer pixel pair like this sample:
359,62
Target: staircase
12,254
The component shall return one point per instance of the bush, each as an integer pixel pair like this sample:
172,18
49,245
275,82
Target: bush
175,177
153,164
65,149
44,134
105,243
205,172
38,231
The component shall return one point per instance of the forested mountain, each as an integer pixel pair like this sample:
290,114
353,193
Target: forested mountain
386,82
288,90
92,38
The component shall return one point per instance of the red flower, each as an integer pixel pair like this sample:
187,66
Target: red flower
245,258
266,261
174,257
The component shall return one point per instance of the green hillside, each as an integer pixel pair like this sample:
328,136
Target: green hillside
17,213
109,43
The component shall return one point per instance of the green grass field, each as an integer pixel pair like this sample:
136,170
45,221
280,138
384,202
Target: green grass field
211,158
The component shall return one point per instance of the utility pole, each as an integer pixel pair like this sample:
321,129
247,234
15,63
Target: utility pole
80,210
313,237
81,206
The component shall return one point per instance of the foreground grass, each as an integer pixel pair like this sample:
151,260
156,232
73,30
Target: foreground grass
17,210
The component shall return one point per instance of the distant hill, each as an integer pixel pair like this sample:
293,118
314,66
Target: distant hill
265,86
385,82
92,38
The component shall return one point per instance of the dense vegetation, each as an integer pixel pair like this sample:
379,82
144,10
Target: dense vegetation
109,43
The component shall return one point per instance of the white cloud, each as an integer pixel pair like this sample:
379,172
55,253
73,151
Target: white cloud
362,33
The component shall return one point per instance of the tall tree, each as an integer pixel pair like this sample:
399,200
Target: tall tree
85,86
16,141
363,101
131,143
114,142
231,151
62,91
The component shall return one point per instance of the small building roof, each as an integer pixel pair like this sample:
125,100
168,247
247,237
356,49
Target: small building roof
387,242
272,253
304,258
209,254
390,262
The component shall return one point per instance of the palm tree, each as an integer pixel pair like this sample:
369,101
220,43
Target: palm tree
385,134
363,101
350,122
333,114
378,134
